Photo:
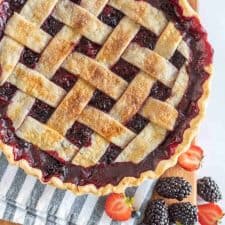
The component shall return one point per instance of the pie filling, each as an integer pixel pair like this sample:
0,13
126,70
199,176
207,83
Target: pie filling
107,171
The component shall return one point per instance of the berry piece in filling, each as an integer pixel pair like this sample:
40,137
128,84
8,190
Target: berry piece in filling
145,38
102,101
29,58
160,91
87,47
137,123
156,213
41,111
7,91
16,5
178,59
76,1
52,26
64,79
209,190
125,70
111,16
183,213
111,154
5,13
80,135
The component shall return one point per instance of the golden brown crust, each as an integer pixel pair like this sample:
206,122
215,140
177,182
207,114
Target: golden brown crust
106,126
45,138
94,6
96,74
152,63
57,51
160,113
89,156
71,107
27,33
168,41
35,84
10,52
189,134
143,13
37,11
133,98
81,20
117,42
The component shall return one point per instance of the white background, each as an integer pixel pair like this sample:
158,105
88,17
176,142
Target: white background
212,132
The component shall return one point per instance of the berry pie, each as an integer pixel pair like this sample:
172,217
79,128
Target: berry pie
99,95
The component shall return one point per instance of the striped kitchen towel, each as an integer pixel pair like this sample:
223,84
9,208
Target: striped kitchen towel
25,200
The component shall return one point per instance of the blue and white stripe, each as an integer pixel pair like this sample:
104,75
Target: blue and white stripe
25,200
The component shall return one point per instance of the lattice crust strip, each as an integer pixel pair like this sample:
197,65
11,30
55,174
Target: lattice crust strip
46,138
133,98
37,11
56,52
142,13
80,19
27,33
93,74
151,63
118,41
10,52
19,108
35,84
89,156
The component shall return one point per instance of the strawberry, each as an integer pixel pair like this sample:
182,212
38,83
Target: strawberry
118,207
209,214
191,160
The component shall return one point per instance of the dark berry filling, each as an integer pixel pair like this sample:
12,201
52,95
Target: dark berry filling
80,135
52,26
29,58
41,111
102,174
111,16
160,91
145,38
64,79
7,91
5,13
17,5
111,154
125,70
178,59
87,47
137,123
102,101
76,1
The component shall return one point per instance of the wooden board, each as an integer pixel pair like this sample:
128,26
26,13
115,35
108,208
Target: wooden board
176,170
191,177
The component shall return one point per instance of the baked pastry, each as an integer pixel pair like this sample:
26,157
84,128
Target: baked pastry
98,95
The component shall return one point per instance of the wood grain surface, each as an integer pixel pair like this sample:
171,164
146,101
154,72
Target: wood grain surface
191,177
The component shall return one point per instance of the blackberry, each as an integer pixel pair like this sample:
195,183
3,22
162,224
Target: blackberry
29,58
208,190
156,213
173,187
102,101
52,26
183,213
